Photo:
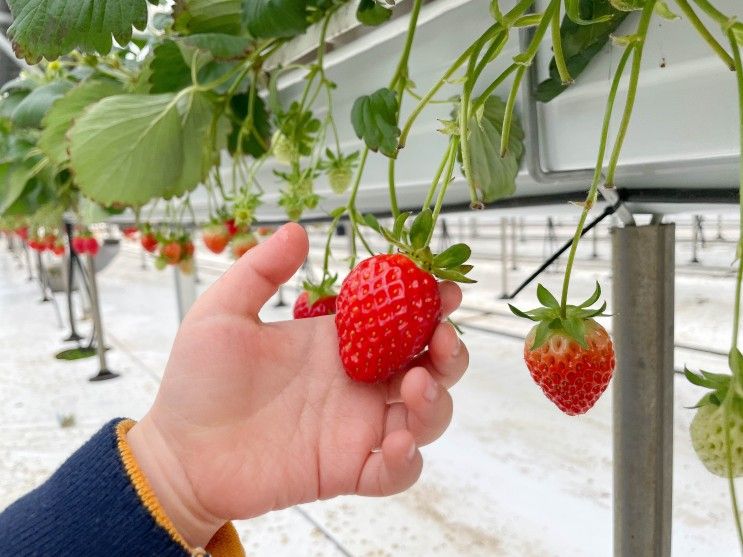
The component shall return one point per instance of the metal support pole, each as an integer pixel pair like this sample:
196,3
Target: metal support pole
28,261
522,229
42,277
473,228
69,267
185,291
719,228
514,239
694,239
643,270
103,371
504,258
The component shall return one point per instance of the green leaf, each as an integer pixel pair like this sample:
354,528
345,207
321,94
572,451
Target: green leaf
493,175
546,298
518,313
695,379
580,43
450,274
628,5
129,149
576,329
541,335
10,103
337,212
169,71
372,222
374,119
421,228
207,16
219,45
18,84
57,122
573,12
268,19
399,226
196,119
453,256
662,9
51,28
371,13
31,110
257,138
593,298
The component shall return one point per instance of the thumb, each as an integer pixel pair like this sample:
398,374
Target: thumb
256,276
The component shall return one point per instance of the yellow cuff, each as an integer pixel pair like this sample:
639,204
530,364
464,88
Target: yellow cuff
225,542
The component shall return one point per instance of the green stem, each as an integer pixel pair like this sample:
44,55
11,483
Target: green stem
490,89
527,57
596,174
726,408
437,177
328,239
510,105
739,78
642,31
440,83
562,68
714,13
705,34
442,192
402,66
394,209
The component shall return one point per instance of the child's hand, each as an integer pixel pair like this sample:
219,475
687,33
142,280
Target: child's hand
253,416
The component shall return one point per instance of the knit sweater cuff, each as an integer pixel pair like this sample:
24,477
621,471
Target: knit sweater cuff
100,503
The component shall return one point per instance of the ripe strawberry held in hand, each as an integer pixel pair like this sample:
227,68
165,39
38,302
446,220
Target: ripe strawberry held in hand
316,300
389,305
570,356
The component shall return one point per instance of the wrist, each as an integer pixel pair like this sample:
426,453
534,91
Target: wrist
168,480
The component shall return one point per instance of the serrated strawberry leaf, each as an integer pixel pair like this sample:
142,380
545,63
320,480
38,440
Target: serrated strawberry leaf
269,19
257,137
31,110
51,28
546,298
372,13
219,45
207,16
453,256
169,72
374,119
53,141
421,228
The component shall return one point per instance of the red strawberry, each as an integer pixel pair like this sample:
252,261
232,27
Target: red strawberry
148,241
322,306
49,241
215,237
188,248
130,231
569,355
171,252
91,246
387,310
58,249
78,244
232,228
22,232
265,230
242,243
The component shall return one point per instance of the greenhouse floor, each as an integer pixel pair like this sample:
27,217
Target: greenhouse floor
511,477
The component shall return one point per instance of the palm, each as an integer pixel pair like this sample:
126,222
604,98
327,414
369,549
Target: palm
285,413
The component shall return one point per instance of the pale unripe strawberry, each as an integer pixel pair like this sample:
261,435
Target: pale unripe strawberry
708,438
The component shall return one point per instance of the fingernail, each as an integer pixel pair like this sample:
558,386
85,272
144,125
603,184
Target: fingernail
432,390
457,348
411,452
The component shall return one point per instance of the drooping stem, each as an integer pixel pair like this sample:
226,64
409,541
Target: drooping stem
562,67
705,34
736,312
448,175
510,105
642,31
437,178
596,174
490,89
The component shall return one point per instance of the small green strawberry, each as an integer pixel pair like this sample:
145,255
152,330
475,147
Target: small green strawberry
709,436
339,169
298,194
284,150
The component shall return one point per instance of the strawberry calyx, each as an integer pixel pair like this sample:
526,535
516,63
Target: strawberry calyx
552,318
717,383
450,264
316,292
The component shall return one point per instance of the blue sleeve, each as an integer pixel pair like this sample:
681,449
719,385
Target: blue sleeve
98,503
